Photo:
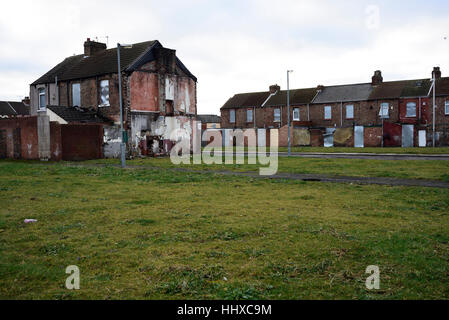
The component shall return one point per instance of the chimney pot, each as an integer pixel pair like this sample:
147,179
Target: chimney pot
436,73
275,88
91,47
377,78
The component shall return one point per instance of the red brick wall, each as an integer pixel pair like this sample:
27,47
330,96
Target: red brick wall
81,141
373,136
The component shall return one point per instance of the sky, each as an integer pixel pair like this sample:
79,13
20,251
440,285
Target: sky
234,46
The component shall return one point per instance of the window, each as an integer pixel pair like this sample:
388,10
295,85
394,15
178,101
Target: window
296,114
277,115
384,110
446,109
42,99
104,93
411,109
249,115
327,112
232,116
350,111
76,95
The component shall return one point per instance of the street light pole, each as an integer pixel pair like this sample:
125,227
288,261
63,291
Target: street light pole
434,109
288,112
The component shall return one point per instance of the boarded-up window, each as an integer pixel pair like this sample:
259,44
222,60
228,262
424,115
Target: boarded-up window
296,114
327,112
411,109
384,111
277,115
232,116
42,99
104,93
446,109
169,89
76,95
349,111
249,115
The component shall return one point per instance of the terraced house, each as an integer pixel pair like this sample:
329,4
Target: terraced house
373,114
159,93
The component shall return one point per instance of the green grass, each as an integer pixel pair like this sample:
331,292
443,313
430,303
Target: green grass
152,234
411,169
440,150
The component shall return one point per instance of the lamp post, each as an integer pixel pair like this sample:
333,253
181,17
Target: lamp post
288,112
122,131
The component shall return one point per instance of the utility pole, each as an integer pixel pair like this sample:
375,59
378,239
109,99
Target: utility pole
434,109
288,112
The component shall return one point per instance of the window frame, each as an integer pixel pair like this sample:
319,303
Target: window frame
248,120
406,110
446,108
231,118
79,92
299,114
346,111
330,112
41,92
381,111
274,114
108,104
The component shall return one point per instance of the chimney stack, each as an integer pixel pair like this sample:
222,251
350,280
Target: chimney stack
26,101
319,88
436,73
91,47
377,78
274,88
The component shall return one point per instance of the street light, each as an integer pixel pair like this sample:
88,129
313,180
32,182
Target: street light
122,131
288,111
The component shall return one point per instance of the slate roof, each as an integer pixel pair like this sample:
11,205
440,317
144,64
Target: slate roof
74,114
297,96
243,100
208,118
12,108
344,93
105,62
404,88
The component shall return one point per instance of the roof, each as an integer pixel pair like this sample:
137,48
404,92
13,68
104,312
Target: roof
105,62
297,96
242,100
12,108
208,118
344,93
404,88
74,114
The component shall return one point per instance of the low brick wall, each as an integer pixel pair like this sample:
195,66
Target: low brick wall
82,141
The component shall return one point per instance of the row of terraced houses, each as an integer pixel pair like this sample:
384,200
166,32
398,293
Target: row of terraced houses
374,114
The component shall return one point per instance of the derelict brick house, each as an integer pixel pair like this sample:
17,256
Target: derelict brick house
378,113
159,92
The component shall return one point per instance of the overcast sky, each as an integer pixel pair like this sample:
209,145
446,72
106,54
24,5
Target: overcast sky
234,46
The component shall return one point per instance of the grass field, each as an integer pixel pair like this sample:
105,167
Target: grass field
412,169
150,234
440,150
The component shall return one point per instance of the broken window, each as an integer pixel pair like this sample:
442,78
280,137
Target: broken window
277,115
296,114
104,93
42,99
249,115
76,95
411,109
384,111
446,109
169,89
350,111
232,116
327,112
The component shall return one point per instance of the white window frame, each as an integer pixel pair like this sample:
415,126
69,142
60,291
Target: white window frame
249,118
108,102
296,117
446,108
326,108
232,116
277,110
41,92
73,94
384,112
346,111
406,110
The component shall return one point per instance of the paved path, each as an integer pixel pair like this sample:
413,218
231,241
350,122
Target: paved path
367,156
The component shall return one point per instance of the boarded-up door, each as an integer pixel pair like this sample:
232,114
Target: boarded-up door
261,138
422,138
359,137
329,137
407,135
